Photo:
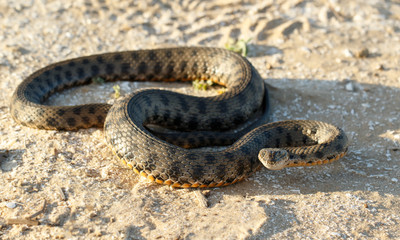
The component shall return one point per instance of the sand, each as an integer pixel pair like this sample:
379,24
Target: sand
335,61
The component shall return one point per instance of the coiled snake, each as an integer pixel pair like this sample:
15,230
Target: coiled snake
275,145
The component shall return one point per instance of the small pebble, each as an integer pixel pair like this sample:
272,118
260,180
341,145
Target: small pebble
11,205
348,53
363,53
350,87
380,67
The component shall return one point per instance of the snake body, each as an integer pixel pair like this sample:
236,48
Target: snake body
200,120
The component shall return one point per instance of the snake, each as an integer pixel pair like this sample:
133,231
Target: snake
178,158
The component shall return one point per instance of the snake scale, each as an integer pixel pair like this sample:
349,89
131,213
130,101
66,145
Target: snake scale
176,160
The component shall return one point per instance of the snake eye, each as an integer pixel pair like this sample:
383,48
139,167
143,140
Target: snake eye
273,158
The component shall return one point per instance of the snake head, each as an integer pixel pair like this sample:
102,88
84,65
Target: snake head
273,158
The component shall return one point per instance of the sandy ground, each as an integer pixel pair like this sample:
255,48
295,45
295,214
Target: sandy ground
309,52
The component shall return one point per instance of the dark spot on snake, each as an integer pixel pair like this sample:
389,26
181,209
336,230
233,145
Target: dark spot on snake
147,100
177,120
142,68
169,70
238,119
310,162
135,55
209,159
81,72
40,112
201,106
279,130
168,53
194,53
222,106
211,139
46,73
95,70
92,110
36,79
137,109
77,111
197,173
193,124
58,79
201,139
71,122
41,88
49,82
245,150
150,77
182,66
205,67
251,87
100,118
319,154
58,68
152,55
60,112
240,168
157,68
305,139
85,120
68,75
71,64
303,156
85,61
174,170
125,67
291,156
220,173
289,140
132,76
257,141
191,141
216,124
229,157
117,57
277,142
195,67
183,104
51,122
339,147
242,98
109,68
340,136
164,100
166,115
156,111
100,59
